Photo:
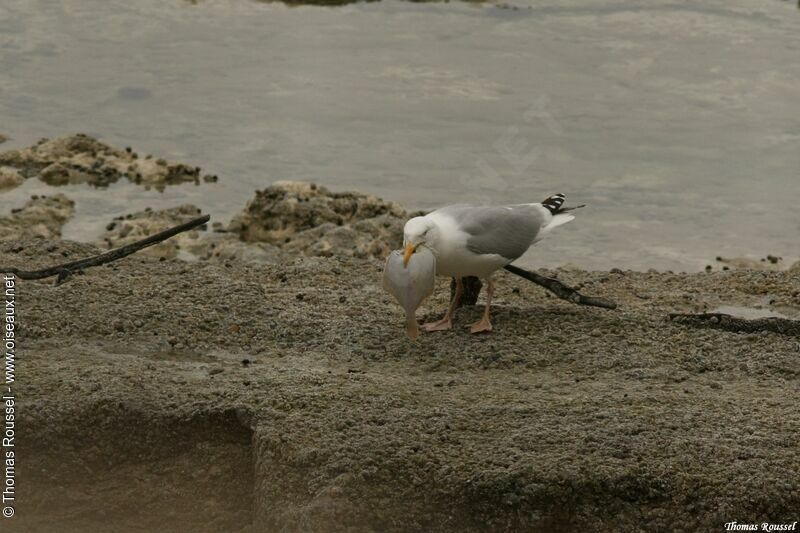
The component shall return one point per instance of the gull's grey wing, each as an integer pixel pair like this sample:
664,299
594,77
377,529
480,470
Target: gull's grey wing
507,231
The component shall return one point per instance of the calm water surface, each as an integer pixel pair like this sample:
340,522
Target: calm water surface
677,122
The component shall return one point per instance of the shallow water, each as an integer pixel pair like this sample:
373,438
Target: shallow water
748,313
678,123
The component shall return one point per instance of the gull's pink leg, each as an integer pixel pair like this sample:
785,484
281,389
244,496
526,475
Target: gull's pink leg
447,322
484,324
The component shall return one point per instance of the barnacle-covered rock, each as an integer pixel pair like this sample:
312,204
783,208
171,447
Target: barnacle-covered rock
41,217
307,219
83,159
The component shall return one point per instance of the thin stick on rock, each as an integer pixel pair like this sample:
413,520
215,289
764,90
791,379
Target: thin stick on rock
472,287
727,322
559,289
64,270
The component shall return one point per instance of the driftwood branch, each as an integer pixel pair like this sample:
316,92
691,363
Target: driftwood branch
727,322
64,270
559,289
472,287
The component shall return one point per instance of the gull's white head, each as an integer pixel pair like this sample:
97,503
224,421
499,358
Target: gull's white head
419,231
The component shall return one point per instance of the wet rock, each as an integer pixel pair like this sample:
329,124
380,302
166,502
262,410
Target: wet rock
41,217
58,174
191,245
745,263
3,138
132,227
304,218
83,159
10,178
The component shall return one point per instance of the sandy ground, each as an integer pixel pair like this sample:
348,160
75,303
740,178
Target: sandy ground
211,396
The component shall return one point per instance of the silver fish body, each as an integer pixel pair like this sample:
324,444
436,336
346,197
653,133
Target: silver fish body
410,284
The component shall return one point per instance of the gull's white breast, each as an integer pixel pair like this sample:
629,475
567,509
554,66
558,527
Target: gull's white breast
453,258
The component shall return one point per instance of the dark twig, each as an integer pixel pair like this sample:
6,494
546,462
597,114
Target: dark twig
63,271
559,289
472,287
727,322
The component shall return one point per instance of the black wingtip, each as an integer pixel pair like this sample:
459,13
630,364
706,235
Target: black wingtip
554,203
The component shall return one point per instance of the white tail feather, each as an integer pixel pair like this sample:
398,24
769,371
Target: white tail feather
558,220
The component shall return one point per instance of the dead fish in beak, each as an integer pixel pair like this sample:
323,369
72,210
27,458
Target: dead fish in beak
410,283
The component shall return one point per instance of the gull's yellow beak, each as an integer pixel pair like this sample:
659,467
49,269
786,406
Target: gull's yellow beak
410,249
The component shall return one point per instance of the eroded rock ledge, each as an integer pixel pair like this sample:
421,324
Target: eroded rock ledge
309,219
41,217
83,159
285,219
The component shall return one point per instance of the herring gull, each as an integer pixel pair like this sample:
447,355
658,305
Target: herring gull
470,240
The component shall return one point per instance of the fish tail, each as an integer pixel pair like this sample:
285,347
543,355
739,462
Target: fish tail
412,328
